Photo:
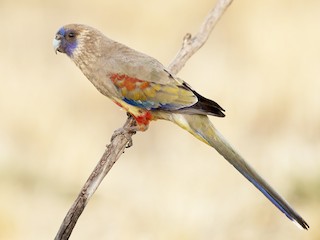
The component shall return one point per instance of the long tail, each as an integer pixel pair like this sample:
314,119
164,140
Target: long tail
201,127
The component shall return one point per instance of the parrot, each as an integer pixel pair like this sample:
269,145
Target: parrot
148,91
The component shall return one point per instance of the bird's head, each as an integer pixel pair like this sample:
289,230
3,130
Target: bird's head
67,39
70,39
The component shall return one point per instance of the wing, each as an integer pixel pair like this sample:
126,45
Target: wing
152,95
142,81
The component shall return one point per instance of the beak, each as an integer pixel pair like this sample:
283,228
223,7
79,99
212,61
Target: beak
56,43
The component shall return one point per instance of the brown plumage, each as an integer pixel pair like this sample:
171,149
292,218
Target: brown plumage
148,91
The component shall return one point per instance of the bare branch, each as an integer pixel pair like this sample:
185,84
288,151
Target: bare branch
109,157
120,141
192,44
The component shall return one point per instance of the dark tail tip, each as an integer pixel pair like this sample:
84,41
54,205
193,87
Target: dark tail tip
208,106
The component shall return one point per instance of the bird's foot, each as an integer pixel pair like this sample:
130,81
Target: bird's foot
127,133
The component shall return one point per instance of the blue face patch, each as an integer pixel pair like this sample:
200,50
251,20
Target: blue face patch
67,44
62,32
70,47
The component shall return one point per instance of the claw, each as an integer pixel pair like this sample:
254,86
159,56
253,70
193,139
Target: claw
129,131
125,132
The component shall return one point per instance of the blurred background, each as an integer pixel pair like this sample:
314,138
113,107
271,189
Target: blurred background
261,64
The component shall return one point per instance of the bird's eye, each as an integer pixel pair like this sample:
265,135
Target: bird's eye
71,34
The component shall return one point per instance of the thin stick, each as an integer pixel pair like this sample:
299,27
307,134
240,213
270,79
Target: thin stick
192,44
120,141
109,157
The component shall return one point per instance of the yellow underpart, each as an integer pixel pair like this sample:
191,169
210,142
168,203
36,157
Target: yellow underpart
129,108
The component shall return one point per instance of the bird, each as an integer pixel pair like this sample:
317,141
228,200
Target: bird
148,91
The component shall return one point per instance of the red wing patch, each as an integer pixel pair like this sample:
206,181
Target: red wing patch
130,83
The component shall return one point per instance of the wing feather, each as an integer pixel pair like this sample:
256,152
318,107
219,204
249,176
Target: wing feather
151,95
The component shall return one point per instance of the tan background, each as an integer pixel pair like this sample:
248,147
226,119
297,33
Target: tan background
261,64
